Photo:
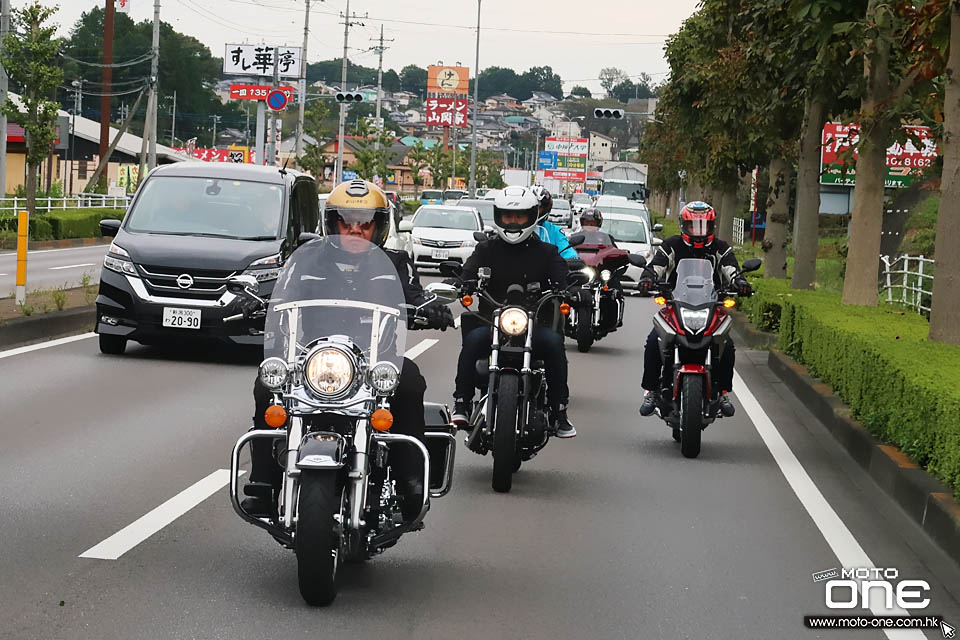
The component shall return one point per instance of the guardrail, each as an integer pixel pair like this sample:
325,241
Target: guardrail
897,274
738,231
80,201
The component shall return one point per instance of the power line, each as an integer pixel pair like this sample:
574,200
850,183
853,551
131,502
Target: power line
128,63
106,95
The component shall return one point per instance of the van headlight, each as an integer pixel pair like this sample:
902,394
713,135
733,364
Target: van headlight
384,377
264,269
117,259
273,373
513,321
694,319
329,371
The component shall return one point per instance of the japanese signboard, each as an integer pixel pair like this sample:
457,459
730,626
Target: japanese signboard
571,158
123,6
448,80
238,155
446,112
904,161
257,92
258,59
547,160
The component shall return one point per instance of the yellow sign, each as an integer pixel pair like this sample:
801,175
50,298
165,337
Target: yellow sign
452,80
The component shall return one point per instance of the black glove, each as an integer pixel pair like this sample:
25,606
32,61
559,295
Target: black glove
251,308
742,287
439,317
647,282
469,286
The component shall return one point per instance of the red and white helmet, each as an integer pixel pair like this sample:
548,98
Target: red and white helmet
697,221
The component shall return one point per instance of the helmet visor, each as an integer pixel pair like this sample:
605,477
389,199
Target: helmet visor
371,224
514,219
698,228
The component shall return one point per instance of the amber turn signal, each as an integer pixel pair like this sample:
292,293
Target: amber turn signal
565,309
466,301
729,303
660,300
275,416
381,420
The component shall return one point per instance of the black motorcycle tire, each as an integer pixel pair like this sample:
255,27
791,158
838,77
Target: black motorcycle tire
676,433
691,415
317,543
505,432
584,332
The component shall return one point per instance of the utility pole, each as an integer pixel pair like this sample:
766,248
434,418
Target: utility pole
173,120
347,17
216,119
105,83
476,110
77,109
154,66
271,156
4,30
303,81
379,49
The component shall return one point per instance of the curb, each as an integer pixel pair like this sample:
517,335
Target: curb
62,244
924,498
58,324
747,334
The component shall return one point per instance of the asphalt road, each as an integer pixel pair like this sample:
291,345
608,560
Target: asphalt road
610,535
50,268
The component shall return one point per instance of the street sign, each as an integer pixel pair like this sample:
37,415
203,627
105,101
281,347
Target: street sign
446,112
905,162
547,160
277,100
571,158
258,91
349,175
448,80
257,60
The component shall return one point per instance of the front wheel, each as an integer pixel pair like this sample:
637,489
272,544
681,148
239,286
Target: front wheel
691,415
584,331
505,456
317,541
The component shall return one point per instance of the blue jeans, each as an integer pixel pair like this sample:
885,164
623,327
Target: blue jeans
547,346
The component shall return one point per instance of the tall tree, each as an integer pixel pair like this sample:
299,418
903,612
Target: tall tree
583,92
438,161
315,117
30,60
371,160
413,79
417,160
611,77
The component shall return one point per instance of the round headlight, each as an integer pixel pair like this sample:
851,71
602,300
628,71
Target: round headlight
605,275
590,271
513,322
273,373
384,377
329,371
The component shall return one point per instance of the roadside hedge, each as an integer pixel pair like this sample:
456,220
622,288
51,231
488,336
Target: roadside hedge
61,224
901,386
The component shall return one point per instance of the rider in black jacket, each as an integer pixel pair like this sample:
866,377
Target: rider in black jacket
515,256
359,209
696,240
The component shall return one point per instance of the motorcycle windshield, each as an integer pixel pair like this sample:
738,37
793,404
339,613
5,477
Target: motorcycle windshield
695,284
338,286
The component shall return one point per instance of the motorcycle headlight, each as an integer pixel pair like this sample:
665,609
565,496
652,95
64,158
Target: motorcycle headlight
329,371
605,275
590,271
513,322
384,377
694,319
273,373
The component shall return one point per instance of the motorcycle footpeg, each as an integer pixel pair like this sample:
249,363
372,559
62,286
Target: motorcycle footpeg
258,490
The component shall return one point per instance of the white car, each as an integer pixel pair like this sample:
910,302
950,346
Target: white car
561,214
631,233
626,207
442,233
581,202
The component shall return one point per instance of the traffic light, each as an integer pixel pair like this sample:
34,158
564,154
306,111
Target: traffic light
349,97
616,114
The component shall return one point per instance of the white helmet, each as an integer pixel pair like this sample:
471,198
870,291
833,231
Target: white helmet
515,200
545,201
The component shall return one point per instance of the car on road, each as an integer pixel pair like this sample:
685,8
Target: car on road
581,202
561,213
483,207
431,196
627,207
632,234
451,196
442,233
190,228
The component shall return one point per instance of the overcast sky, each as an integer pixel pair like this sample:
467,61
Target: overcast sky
576,39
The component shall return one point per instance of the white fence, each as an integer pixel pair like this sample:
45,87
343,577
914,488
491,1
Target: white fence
82,201
738,231
912,276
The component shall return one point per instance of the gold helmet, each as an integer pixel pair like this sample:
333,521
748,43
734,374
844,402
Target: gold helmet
358,202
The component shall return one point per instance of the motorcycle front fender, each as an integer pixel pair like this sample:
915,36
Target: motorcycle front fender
322,450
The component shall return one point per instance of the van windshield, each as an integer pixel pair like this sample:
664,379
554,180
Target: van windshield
180,205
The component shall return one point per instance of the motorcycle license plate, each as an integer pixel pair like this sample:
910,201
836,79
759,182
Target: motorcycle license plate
441,254
178,318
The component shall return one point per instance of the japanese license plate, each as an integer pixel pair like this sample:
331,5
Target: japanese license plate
181,318
441,254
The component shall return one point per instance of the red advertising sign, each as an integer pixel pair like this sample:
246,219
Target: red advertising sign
257,92
238,156
447,112
904,161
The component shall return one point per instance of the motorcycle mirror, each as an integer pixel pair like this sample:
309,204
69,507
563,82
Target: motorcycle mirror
656,242
575,264
306,237
480,236
451,269
239,285
576,239
751,265
657,227
443,292
533,287
637,260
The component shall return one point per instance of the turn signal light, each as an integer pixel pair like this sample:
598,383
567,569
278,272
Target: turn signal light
729,303
466,301
275,416
606,287
565,309
660,300
381,420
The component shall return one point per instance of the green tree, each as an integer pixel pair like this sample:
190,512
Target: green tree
413,79
438,162
611,77
315,120
583,92
391,81
417,159
371,159
490,169
541,79
629,89
30,60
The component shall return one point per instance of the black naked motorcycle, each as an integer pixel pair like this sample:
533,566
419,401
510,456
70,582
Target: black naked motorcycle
332,363
511,418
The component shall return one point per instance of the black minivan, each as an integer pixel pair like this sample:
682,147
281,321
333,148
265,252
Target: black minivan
190,228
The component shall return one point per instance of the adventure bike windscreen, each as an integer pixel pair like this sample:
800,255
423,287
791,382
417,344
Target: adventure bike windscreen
338,286
181,205
695,284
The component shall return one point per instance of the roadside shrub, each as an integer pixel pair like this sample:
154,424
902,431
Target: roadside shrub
409,207
904,388
39,228
80,223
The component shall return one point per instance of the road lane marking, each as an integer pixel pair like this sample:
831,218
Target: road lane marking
4,274
30,252
72,266
417,349
44,345
456,321
834,531
141,529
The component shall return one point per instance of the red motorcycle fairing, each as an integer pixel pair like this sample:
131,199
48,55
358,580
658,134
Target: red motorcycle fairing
595,255
691,369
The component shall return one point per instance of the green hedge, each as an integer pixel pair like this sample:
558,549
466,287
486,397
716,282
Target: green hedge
39,228
904,388
80,223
